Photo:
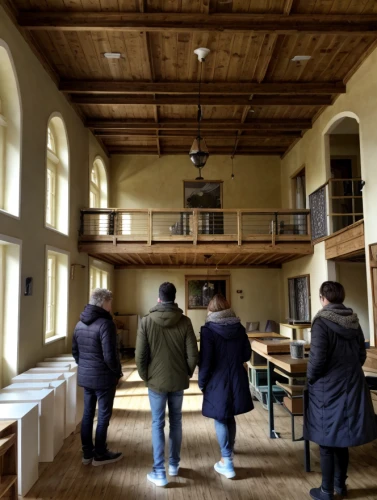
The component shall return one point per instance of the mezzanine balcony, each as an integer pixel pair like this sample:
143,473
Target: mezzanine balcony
244,238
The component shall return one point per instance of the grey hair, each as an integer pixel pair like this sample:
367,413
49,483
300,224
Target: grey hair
99,296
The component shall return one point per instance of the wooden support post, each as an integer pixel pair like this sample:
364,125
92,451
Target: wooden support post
195,222
239,227
273,233
150,228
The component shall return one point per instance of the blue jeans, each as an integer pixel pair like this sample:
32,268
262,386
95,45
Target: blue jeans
105,398
158,402
226,435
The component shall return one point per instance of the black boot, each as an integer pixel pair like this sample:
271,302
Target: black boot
340,486
319,494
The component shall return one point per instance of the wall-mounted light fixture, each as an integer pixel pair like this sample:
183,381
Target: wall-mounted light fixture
73,266
362,184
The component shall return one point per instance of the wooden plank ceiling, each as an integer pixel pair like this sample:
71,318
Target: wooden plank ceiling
146,102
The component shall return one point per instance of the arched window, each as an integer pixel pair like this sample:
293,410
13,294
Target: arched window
57,176
98,185
10,134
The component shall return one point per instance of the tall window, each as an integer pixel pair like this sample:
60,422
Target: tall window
57,177
56,294
51,295
10,134
98,185
52,168
9,307
98,279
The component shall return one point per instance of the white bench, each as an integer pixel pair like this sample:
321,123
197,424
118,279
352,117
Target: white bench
62,357
46,403
65,365
59,388
27,417
49,374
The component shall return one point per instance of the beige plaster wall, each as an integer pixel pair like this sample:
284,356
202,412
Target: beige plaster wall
152,182
360,101
137,292
40,98
353,277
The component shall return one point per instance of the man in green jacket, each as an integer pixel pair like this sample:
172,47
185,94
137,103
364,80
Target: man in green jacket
166,357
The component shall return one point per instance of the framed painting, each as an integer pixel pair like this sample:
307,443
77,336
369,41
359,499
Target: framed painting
201,289
203,194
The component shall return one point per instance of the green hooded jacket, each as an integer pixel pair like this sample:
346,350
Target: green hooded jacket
166,349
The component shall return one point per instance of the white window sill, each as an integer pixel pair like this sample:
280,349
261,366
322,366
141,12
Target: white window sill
52,228
9,214
55,338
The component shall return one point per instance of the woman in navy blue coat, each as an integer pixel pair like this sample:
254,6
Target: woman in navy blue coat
340,412
224,348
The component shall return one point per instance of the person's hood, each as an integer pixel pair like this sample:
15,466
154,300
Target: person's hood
166,314
91,313
340,319
226,324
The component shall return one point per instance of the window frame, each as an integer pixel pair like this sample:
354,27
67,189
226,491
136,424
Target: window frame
62,272
52,332
98,278
307,278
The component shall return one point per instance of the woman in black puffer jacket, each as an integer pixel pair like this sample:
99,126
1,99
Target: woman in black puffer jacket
224,348
340,412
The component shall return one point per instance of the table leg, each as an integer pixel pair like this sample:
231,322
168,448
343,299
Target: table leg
271,423
307,455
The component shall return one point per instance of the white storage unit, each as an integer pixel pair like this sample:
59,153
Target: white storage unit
72,366
65,365
47,374
59,388
27,417
68,358
46,403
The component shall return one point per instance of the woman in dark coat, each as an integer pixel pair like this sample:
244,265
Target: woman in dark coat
339,412
224,348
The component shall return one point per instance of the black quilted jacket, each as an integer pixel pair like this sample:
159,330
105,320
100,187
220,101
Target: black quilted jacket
94,348
339,411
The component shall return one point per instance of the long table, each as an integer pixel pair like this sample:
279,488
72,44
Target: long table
290,367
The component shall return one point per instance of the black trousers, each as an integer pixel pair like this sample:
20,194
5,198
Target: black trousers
334,466
105,398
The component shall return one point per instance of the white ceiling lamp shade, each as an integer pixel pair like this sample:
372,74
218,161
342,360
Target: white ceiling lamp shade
112,55
199,152
202,53
301,58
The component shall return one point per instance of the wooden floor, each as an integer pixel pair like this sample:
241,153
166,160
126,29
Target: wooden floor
266,469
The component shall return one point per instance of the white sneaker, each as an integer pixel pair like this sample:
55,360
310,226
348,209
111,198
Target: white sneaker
173,470
157,478
226,470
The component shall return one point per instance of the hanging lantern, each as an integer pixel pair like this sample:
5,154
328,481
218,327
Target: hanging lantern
199,152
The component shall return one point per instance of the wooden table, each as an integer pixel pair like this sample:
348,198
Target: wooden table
290,367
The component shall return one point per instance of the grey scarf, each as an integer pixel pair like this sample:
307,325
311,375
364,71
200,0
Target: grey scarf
339,314
226,317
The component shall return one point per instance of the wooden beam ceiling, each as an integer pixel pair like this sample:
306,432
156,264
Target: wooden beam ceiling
280,24
206,100
175,150
259,124
237,88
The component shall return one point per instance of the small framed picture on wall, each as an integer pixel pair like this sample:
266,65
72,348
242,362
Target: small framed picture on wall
201,289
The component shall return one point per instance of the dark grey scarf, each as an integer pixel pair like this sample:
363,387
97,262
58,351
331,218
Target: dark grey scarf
226,317
339,314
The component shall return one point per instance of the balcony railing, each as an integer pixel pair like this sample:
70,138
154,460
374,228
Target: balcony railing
194,225
335,206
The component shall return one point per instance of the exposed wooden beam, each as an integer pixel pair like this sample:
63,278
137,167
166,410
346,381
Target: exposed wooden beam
132,87
135,135
280,24
199,266
221,150
288,7
202,249
258,124
206,100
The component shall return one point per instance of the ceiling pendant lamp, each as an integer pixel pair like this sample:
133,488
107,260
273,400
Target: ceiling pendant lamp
199,152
